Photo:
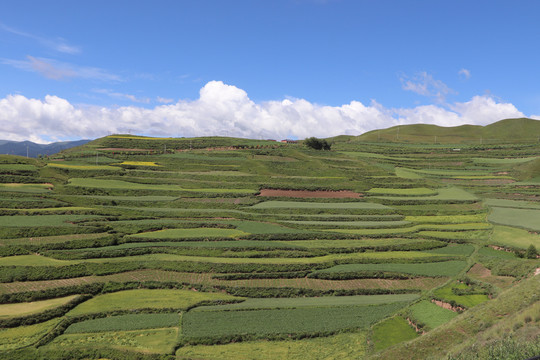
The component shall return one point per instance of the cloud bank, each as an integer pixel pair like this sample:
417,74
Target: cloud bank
225,110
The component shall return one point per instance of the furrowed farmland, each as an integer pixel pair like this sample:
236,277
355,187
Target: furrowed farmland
132,247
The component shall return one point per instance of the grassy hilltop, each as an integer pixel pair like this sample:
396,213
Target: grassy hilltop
504,131
132,247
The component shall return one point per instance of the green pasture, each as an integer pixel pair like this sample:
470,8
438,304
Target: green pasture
286,303
79,166
447,219
390,332
147,298
19,167
50,239
470,235
222,244
125,185
33,260
521,218
407,173
512,204
360,243
26,188
44,220
430,315
444,268
403,192
500,254
503,161
340,346
452,249
125,323
190,233
357,224
514,237
283,321
318,205
19,337
468,301
448,194
34,307
159,341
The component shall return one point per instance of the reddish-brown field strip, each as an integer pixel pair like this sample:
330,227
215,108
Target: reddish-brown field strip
206,279
310,194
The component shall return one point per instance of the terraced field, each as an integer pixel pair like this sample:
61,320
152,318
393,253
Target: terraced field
253,249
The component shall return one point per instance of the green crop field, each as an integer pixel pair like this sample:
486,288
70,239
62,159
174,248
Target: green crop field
430,315
133,247
445,268
28,308
390,332
145,298
446,293
523,218
283,321
125,323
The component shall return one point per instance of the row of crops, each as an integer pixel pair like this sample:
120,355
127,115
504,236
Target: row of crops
121,250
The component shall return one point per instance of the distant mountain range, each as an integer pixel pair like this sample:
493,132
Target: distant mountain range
31,149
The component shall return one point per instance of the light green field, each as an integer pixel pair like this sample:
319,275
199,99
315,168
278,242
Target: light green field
26,188
125,185
513,237
68,166
145,298
512,204
445,268
407,173
390,332
431,315
447,219
403,192
522,218
159,341
24,167
22,336
466,300
315,205
355,243
190,233
336,347
444,194
505,161
34,307
283,303
139,163
461,249
33,260
43,220
358,224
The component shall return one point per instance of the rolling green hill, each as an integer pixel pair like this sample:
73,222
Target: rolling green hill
504,131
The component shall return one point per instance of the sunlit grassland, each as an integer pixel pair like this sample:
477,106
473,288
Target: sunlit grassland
15,338
445,268
147,298
26,188
403,192
523,218
430,315
468,301
43,220
28,308
514,237
315,205
390,332
340,346
79,166
161,341
190,233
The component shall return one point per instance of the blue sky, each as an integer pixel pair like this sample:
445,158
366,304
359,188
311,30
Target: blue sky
280,68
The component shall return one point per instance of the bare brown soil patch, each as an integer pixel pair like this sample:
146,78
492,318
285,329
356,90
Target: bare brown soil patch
311,194
480,272
447,306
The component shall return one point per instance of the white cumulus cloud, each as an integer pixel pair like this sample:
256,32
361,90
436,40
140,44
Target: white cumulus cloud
226,110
